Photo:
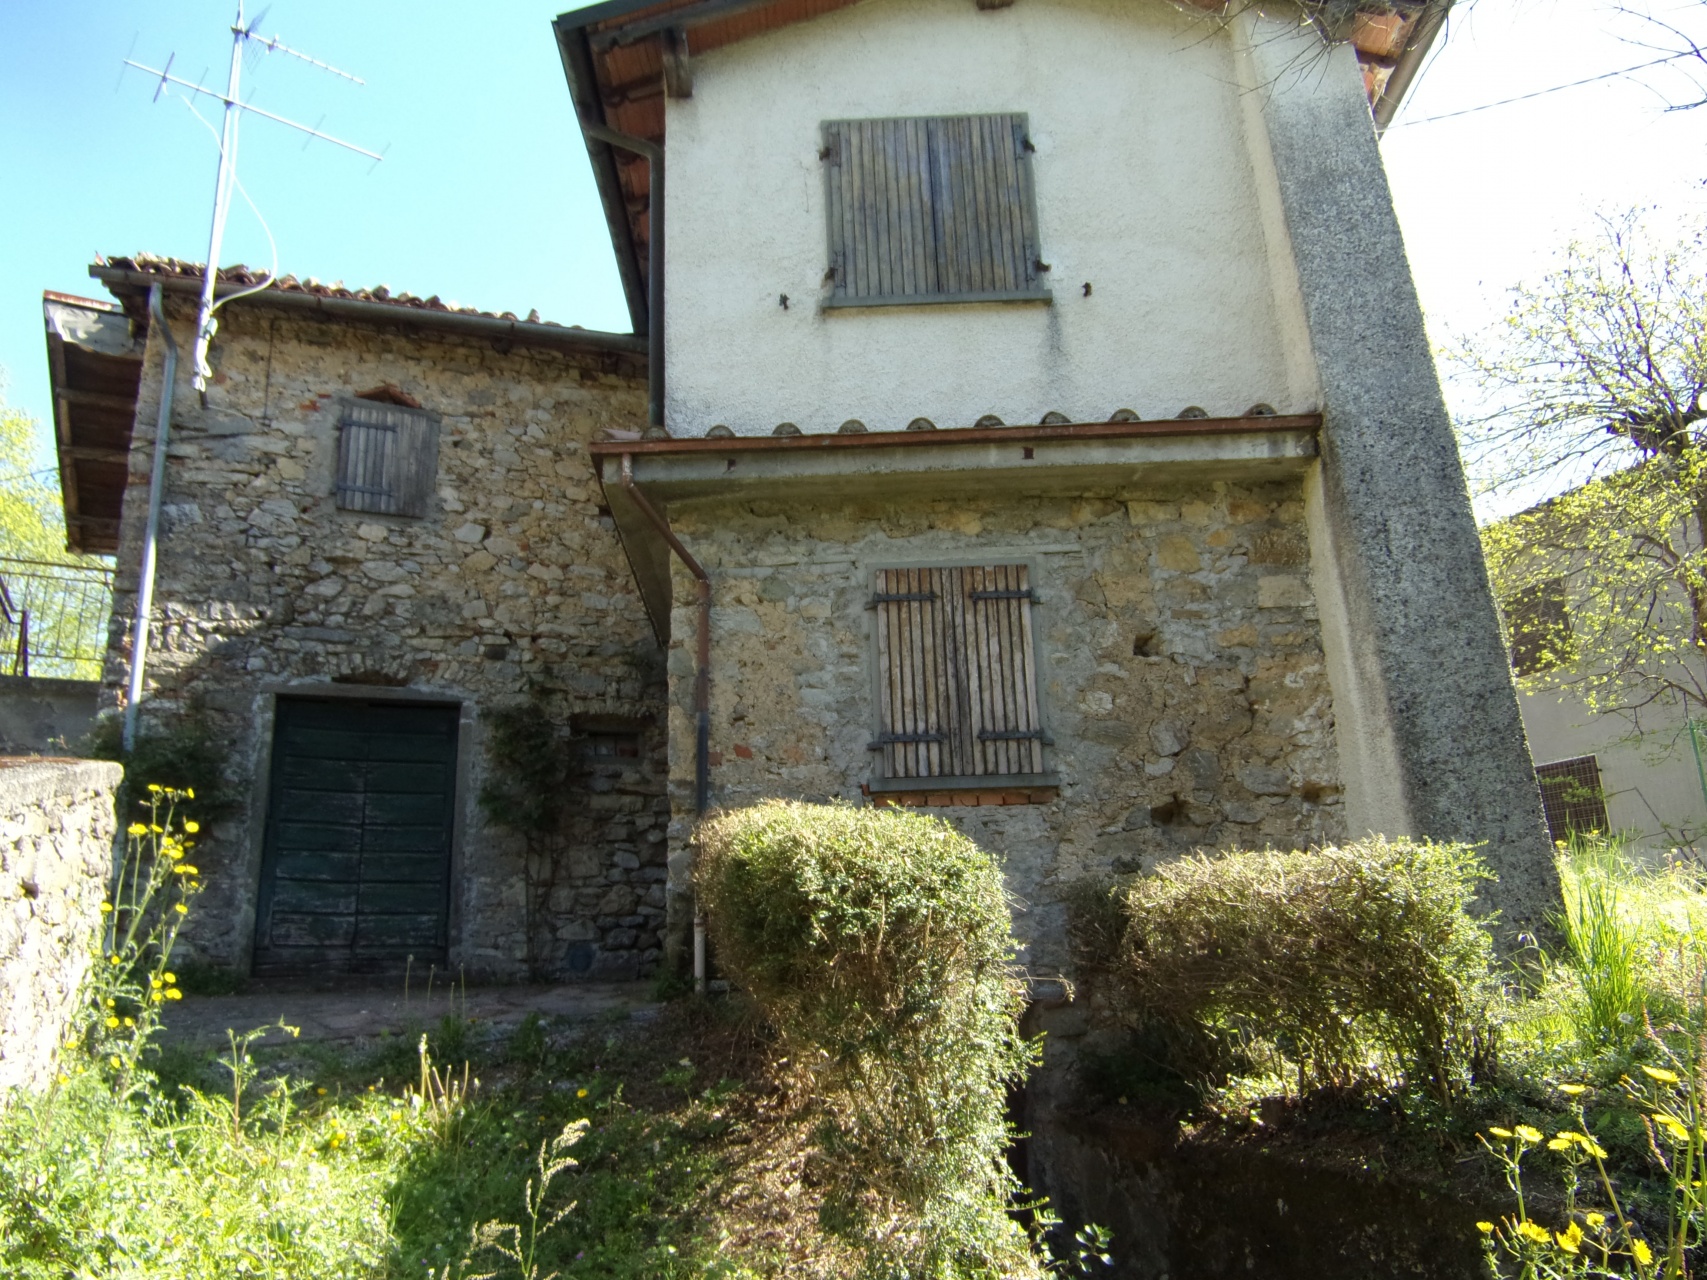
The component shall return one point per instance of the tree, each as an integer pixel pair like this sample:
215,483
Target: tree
1597,378
68,596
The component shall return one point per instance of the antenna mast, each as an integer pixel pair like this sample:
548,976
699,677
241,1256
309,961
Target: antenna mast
241,34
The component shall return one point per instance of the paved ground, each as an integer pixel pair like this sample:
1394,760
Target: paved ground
354,1015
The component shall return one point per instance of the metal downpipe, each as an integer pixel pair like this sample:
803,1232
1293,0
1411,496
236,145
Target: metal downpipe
151,531
701,685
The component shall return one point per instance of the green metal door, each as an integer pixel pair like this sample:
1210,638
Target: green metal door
355,872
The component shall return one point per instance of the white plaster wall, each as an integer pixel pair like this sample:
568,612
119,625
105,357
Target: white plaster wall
1652,787
1146,183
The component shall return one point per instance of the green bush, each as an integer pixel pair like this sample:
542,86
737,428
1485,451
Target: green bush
1346,961
877,942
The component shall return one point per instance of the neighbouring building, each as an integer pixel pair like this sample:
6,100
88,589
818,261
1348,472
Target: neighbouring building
1028,417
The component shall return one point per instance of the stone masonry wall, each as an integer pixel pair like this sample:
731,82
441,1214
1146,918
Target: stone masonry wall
56,856
514,584
1179,656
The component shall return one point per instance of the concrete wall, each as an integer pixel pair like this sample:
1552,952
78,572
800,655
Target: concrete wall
56,853
514,582
42,714
1179,664
1147,184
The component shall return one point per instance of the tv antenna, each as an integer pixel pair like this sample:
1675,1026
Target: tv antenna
242,35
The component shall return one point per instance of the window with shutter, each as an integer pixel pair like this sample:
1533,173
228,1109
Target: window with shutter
388,458
934,209
1572,796
957,685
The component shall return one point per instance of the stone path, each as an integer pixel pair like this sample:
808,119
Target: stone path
353,1015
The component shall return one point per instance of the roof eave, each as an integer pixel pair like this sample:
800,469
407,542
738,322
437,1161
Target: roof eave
1410,63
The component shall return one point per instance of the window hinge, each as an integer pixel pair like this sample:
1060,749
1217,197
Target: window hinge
1024,593
892,597
1015,735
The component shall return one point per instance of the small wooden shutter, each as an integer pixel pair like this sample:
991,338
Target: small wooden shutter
934,209
957,673
388,458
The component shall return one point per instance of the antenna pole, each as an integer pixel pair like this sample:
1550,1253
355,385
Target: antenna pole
205,323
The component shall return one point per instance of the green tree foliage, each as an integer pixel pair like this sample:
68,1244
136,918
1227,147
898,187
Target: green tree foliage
1597,379
68,606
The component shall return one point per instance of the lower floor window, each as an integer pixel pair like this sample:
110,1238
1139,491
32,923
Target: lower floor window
1572,796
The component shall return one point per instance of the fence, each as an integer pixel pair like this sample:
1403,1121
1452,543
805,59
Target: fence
53,618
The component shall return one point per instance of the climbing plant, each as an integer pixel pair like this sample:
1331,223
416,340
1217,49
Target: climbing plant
524,791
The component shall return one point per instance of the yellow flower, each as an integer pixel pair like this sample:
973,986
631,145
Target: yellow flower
1573,1090
154,997
112,959
320,1093
181,909
136,829
190,793
1530,1231
1672,1125
63,1078
185,869
112,1022
1595,1220
170,977
1498,1132
1486,1228
1639,1250
1560,1143
106,908
192,826
130,1022
172,993
155,787
116,1060
580,1093
155,983
1661,1074
157,828
1529,1133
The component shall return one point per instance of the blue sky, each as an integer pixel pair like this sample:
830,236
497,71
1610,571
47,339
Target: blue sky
485,197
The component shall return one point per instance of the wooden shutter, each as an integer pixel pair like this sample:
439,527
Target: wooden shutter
388,458
937,209
957,673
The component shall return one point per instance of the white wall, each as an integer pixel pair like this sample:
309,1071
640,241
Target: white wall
1146,188
1652,787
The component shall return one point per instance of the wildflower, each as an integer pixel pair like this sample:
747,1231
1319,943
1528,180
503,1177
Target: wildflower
1639,1250
1660,1073
1570,1238
1537,1234
63,1078
192,826
1529,1133
321,1093
1486,1228
172,993
112,1022
136,829
1672,1125
157,829
110,1002
1573,1090
180,908
116,1060
184,869
112,959
1498,1132
106,908
154,997
130,1022
1561,1143
1595,1220
189,793
580,1093
169,977
155,983
155,787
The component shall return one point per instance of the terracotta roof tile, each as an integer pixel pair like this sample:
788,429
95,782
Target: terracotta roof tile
242,276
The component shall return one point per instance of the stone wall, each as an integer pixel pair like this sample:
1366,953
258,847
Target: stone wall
56,852
1180,668
513,585
44,714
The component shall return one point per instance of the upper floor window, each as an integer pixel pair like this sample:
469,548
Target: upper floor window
931,209
1539,620
956,673
388,458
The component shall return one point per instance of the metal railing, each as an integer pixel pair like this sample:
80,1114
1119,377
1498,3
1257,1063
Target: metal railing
53,617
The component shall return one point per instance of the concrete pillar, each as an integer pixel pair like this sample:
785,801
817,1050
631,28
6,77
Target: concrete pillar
1430,738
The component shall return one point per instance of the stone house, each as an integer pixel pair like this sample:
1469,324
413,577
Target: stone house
1037,426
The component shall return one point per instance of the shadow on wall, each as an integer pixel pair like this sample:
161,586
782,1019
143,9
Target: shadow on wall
43,715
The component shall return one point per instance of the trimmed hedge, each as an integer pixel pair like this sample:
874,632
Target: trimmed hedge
1352,960
878,944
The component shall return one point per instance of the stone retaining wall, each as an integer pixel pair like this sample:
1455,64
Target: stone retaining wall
56,851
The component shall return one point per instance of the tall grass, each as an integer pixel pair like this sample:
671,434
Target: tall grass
1635,940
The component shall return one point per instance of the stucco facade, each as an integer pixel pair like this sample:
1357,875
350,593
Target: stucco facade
1149,176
